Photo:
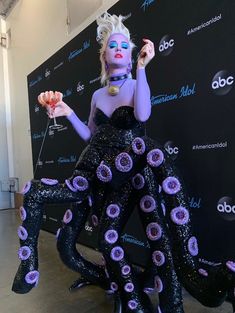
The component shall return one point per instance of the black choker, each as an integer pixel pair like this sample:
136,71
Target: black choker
115,78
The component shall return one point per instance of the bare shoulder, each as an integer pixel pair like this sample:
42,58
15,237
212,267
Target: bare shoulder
96,95
99,91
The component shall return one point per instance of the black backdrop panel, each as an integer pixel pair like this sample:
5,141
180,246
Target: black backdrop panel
192,85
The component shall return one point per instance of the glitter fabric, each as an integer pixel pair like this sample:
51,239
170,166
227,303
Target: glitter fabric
170,237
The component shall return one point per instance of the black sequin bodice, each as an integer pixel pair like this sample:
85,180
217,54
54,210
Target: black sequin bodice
119,129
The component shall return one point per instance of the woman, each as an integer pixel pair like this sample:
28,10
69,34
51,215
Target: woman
120,167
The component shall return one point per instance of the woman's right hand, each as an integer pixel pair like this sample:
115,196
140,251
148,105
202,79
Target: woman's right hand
54,104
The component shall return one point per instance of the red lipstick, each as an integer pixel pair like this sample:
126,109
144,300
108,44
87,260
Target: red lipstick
118,55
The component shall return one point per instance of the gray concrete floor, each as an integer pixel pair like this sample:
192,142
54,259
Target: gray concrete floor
52,295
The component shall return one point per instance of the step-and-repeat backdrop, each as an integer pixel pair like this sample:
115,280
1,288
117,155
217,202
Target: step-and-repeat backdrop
193,112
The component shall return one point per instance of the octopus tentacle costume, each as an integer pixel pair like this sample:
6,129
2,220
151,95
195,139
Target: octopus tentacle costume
122,168
121,175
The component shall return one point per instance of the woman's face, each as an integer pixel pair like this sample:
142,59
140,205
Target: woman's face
117,52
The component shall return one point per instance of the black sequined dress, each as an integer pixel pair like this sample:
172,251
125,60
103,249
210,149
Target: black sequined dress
122,168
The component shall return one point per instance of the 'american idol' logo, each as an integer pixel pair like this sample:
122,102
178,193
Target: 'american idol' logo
97,79
37,136
195,203
132,239
85,46
211,263
185,91
34,82
70,159
146,4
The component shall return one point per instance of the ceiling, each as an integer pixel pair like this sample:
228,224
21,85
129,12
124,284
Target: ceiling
6,6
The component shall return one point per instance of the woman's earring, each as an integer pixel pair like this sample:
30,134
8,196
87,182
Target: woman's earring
129,68
106,67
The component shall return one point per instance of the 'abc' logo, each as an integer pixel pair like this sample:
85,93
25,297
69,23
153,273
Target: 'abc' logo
166,45
36,108
171,149
80,88
226,208
222,83
88,228
47,73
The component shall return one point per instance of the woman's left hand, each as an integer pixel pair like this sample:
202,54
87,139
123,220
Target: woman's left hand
146,54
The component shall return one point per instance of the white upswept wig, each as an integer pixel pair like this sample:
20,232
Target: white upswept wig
107,25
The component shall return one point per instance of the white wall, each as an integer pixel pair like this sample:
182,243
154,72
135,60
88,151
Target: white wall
38,30
4,174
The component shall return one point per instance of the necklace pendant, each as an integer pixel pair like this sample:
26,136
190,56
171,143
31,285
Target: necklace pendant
113,90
